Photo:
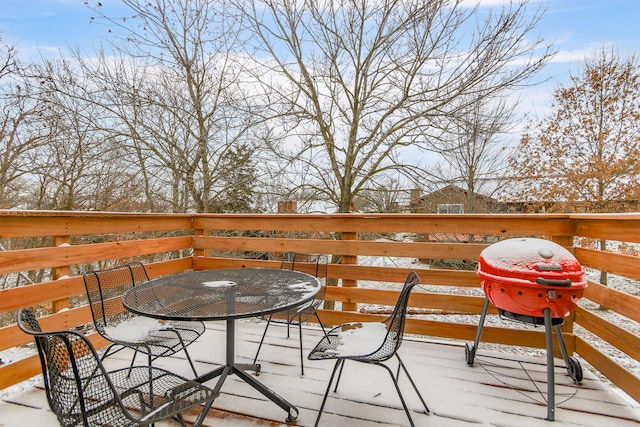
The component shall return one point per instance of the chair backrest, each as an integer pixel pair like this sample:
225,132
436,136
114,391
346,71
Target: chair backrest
395,323
76,383
321,270
138,272
321,262
105,289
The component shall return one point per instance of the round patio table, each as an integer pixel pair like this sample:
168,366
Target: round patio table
225,294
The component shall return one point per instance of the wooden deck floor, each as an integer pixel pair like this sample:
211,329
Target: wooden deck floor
496,391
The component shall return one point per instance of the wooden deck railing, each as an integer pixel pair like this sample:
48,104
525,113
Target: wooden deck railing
43,255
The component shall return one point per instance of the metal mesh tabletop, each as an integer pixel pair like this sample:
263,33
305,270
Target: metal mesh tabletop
226,294
221,294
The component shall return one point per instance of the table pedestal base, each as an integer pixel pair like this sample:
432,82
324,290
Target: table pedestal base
240,369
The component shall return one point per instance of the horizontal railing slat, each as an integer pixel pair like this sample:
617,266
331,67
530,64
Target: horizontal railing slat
38,258
621,227
59,223
30,295
357,272
609,261
620,376
625,304
344,247
522,224
11,336
426,300
613,334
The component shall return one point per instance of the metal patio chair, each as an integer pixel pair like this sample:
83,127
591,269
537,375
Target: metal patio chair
301,314
105,289
390,331
80,391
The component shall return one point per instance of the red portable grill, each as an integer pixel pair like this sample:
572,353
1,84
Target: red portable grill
533,281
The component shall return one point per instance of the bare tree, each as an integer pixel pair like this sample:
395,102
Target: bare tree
356,84
7,59
78,165
474,150
22,129
172,94
388,195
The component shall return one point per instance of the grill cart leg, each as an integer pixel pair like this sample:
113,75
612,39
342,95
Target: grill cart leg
470,353
573,365
551,396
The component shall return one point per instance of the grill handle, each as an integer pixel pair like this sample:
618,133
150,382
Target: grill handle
566,283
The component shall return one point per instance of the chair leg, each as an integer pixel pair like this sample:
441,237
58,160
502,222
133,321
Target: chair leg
406,371
395,383
339,375
186,353
324,331
106,352
133,360
184,348
264,334
301,351
339,362
203,413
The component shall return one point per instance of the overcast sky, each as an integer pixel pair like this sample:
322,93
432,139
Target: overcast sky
578,29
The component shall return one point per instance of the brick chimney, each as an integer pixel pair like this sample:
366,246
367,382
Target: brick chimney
287,206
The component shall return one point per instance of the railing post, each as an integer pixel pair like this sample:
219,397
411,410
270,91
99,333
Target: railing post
349,283
61,271
198,252
567,326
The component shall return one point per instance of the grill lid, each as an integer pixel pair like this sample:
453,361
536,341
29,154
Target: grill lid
530,259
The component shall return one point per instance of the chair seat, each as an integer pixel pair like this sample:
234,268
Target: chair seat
293,315
164,339
125,329
171,394
355,341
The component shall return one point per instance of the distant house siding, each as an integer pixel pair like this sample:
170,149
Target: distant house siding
449,200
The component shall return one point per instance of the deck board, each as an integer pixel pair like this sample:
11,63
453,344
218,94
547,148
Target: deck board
495,391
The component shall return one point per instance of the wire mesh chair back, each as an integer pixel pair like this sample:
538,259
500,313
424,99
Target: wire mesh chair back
28,323
299,315
395,323
80,391
289,260
105,289
320,271
138,272
74,382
